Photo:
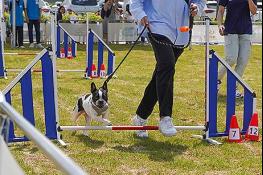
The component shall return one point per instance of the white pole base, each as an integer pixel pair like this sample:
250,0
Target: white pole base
208,140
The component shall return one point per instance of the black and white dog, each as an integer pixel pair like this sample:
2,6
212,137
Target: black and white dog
92,106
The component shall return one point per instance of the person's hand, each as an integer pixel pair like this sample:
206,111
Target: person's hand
193,9
144,21
221,29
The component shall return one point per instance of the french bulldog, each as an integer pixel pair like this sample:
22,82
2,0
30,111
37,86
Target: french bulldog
93,106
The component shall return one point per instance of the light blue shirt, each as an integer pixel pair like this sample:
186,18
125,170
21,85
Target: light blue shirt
166,16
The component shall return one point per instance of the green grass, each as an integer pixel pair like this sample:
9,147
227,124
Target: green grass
106,152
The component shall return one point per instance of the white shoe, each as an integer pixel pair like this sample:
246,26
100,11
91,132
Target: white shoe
138,121
32,45
21,47
39,46
166,127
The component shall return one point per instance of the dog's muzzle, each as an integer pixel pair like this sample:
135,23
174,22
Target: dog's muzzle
100,103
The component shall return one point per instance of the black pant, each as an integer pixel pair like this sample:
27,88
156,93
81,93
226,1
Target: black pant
160,88
36,24
19,35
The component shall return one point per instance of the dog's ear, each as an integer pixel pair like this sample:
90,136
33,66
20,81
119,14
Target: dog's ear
105,86
93,87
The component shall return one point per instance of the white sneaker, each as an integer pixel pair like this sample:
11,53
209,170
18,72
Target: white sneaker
32,45
138,121
166,127
39,46
21,47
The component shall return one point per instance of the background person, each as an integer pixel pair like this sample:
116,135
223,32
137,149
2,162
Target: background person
127,14
61,12
19,21
33,19
164,21
110,11
237,31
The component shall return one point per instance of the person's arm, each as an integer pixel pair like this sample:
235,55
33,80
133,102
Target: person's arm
252,6
136,9
197,7
220,15
25,11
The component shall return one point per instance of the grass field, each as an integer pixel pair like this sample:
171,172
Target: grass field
106,152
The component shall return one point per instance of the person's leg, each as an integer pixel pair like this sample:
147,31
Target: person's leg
242,60
166,59
231,53
30,31
105,22
143,39
17,44
162,55
20,36
37,29
146,106
155,89
165,81
243,54
149,99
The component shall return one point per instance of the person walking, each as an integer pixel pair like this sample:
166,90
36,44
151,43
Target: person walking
237,32
19,21
33,20
164,18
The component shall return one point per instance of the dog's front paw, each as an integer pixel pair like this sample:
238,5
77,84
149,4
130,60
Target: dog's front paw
107,122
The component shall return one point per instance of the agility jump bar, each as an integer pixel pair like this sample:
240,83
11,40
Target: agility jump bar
125,128
39,70
22,54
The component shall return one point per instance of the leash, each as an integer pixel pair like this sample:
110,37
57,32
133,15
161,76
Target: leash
191,19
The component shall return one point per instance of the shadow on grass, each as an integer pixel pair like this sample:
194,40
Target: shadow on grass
24,147
223,99
160,151
89,142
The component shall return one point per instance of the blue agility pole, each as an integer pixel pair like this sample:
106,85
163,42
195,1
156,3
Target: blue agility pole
25,80
232,79
101,46
58,42
2,68
68,42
